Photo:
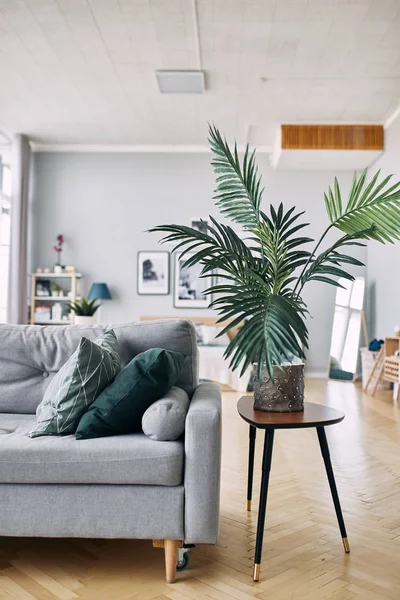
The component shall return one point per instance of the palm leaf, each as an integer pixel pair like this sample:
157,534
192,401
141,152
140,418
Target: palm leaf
275,331
275,235
328,263
374,207
238,192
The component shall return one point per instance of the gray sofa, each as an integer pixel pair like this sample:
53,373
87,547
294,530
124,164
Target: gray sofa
117,487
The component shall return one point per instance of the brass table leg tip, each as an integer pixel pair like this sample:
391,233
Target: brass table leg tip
248,504
346,545
256,574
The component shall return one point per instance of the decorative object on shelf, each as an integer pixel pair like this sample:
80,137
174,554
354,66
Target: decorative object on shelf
39,270
55,290
264,287
58,268
69,269
42,314
84,311
189,286
56,312
46,270
43,288
153,273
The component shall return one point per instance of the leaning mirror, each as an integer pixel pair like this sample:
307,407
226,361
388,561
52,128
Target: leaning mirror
347,323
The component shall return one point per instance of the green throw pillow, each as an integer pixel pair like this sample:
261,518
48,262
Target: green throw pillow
119,409
91,368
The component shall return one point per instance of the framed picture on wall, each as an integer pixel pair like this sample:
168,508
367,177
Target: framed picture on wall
153,273
199,224
189,287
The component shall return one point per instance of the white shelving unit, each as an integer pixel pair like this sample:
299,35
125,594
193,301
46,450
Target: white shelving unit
74,280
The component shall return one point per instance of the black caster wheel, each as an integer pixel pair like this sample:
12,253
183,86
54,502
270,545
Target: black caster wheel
182,562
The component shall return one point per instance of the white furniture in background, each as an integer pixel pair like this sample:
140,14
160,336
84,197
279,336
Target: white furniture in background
212,365
70,282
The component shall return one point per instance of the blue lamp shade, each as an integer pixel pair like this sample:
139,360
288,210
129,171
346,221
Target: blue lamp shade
99,291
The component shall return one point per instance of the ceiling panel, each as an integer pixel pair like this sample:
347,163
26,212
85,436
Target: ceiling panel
83,71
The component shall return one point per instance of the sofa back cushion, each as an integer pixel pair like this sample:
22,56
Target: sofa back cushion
30,355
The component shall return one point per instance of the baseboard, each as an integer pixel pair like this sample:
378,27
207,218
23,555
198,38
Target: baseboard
322,374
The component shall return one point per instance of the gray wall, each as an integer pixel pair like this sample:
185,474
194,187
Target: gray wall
384,260
103,203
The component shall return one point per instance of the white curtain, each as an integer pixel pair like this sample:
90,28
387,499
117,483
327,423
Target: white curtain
17,311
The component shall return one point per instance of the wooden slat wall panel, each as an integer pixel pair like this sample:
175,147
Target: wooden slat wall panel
332,137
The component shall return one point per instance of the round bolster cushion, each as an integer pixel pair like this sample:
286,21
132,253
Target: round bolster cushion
164,420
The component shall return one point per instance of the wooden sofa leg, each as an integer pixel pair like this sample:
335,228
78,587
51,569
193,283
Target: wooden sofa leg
171,550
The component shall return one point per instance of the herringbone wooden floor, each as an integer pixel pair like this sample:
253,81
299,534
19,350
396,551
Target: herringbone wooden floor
303,555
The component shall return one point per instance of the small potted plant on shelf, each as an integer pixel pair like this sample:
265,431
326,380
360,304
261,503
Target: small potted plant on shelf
266,267
55,290
84,311
58,267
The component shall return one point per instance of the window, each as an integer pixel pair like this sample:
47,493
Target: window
5,228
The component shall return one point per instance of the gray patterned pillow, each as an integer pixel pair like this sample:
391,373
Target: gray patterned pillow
91,368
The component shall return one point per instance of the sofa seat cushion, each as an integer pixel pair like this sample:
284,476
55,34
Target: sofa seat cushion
122,459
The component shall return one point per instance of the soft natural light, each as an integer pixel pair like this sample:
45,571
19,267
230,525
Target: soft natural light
339,332
343,294
357,294
350,350
5,209
347,323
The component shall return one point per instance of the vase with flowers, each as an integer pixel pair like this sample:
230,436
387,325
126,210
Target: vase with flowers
58,247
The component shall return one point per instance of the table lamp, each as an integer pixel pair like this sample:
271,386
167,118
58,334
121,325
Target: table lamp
99,291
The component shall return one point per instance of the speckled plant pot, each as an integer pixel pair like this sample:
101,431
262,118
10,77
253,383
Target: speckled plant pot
283,393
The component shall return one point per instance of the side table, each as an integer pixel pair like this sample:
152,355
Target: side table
314,415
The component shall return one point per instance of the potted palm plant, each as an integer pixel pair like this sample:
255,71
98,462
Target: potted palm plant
266,268
84,311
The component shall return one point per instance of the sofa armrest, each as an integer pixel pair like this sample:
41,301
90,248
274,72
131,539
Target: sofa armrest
203,465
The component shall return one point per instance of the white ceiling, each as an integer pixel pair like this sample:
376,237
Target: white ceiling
83,71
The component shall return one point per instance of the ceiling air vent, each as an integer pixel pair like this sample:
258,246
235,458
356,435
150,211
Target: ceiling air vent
181,82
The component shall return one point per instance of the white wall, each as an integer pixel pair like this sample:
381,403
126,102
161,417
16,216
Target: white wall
103,203
384,260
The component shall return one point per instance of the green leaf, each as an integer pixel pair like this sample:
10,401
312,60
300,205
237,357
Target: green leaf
372,207
238,191
275,331
321,266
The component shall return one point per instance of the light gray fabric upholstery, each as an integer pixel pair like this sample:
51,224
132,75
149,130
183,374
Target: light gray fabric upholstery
30,355
98,511
202,465
115,487
122,459
164,420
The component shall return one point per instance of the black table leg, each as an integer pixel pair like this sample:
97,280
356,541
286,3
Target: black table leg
266,467
252,445
323,442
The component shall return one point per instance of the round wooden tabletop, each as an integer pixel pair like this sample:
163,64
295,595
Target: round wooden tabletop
314,415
